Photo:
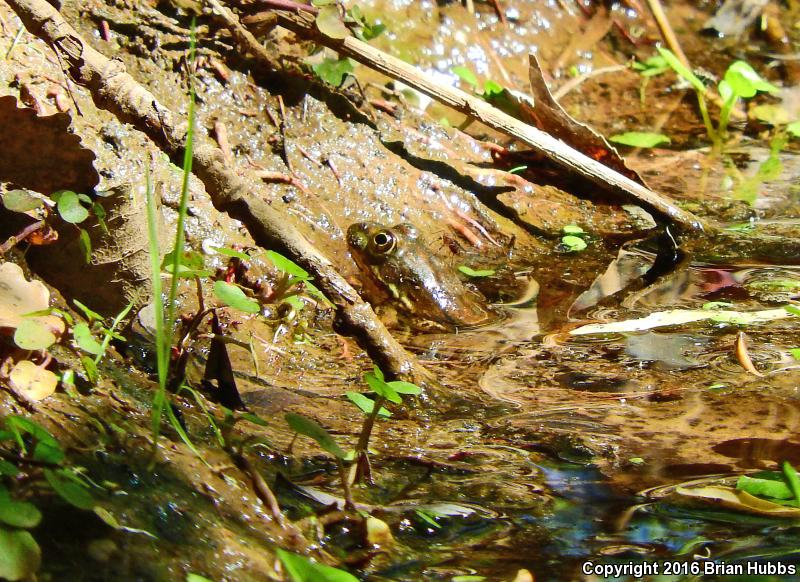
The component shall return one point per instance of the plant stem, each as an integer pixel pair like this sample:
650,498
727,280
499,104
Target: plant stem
362,446
348,495
712,133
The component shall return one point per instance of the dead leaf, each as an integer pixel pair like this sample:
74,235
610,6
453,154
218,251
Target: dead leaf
549,116
738,500
743,355
19,296
32,382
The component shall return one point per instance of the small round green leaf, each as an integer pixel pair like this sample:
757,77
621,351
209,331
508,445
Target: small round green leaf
573,243
745,82
32,334
573,229
18,513
332,71
233,296
70,208
20,201
329,22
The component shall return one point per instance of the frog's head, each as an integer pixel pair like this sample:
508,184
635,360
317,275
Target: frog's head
399,270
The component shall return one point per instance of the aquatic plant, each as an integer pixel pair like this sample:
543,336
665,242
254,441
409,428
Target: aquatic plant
385,391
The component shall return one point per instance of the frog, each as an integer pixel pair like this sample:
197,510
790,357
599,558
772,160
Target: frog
399,270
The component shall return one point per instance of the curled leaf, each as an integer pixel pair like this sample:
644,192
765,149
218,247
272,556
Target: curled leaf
742,354
19,297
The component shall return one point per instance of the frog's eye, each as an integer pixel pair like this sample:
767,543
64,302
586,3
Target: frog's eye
383,242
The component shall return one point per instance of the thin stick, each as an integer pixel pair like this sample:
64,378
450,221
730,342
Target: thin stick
21,236
666,31
572,160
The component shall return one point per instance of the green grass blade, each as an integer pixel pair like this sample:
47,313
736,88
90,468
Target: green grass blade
162,344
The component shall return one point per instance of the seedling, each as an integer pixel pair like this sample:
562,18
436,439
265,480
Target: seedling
740,82
491,91
165,314
384,391
333,71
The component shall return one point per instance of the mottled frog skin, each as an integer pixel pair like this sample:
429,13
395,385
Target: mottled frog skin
400,271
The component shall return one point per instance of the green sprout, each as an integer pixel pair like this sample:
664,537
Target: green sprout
740,82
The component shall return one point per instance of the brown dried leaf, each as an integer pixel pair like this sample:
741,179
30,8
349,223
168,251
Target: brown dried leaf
19,296
32,382
737,500
743,355
550,117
